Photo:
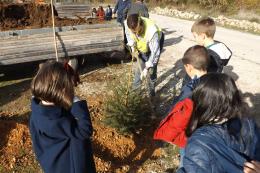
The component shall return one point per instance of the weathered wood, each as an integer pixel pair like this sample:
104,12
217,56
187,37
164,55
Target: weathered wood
60,54
34,47
24,32
90,38
72,11
90,32
49,50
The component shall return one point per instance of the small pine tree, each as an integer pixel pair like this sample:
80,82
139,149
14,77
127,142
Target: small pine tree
126,109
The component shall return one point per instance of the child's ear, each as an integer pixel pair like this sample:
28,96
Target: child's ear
204,36
188,68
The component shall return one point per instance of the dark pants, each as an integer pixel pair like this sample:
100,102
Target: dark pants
152,72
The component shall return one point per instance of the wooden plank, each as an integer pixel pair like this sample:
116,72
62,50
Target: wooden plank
47,50
46,47
64,34
14,33
72,32
61,39
70,11
64,42
36,47
85,48
52,56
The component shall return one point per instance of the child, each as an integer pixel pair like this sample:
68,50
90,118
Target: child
60,123
203,31
94,13
172,128
108,13
222,137
101,14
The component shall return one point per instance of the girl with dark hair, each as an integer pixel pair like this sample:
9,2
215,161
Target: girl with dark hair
221,138
60,123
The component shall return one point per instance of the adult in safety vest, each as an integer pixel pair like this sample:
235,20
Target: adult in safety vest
145,39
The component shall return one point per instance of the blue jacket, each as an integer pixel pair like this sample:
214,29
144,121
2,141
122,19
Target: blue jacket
61,139
211,149
186,90
121,5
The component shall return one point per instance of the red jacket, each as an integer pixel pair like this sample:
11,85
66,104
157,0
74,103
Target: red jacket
101,14
172,128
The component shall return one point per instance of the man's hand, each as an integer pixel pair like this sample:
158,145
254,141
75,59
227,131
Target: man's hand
252,167
144,74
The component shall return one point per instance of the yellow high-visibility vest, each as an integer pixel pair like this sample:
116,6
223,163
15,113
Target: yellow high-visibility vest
150,28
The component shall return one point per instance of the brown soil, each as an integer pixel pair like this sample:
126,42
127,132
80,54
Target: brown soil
113,152
30,15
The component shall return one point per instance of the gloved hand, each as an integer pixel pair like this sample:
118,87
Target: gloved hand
144,74
148,64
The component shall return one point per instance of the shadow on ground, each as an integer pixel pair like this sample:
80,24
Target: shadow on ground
168,86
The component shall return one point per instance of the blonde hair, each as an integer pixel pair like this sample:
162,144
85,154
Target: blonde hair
204,25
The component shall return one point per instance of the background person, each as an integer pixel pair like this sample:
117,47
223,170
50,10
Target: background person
101,14
137,7
108,13
119,9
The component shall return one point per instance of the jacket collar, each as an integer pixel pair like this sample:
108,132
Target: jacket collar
51,112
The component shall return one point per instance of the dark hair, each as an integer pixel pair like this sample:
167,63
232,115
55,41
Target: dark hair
101,8
197,56
53,83
133,20
216,99
204,25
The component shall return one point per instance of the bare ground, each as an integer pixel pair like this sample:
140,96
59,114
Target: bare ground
113,152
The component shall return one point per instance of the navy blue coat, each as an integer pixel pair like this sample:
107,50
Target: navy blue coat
121,5
186,90
61,139
211,149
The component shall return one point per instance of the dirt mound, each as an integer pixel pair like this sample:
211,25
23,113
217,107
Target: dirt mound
30,15
15,145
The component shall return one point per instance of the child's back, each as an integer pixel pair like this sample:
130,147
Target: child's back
60,127
222,50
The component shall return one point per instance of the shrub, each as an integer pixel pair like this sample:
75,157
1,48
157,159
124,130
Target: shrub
126,109
249,4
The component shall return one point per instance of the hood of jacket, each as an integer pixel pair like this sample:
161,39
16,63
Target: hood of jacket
221,49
